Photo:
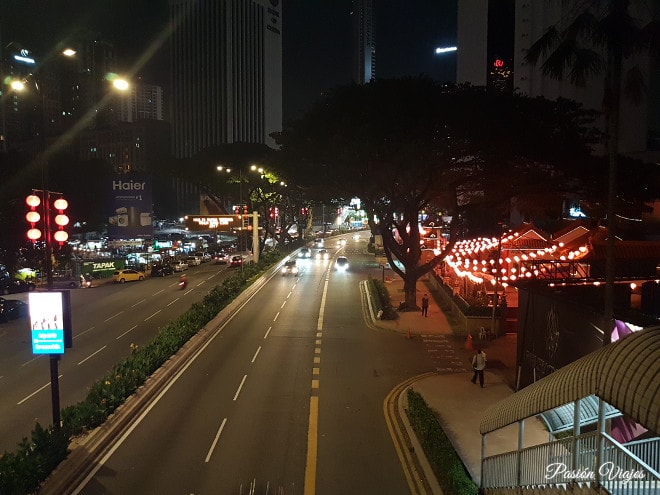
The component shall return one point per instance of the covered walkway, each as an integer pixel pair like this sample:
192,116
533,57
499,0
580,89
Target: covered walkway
621,379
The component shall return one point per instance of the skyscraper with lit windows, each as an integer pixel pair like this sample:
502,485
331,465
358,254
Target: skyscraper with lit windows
226,72
364,41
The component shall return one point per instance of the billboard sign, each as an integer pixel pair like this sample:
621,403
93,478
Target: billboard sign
221,223
50,322
130,214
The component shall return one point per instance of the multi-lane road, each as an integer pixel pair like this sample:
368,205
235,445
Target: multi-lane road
107,320
287,395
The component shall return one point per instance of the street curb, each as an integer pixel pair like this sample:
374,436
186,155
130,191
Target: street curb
418,450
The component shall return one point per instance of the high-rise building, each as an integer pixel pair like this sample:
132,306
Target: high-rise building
485,43
493,39
364,41
226,73
532,21
141,102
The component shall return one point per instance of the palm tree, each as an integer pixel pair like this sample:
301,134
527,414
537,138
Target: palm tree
595,40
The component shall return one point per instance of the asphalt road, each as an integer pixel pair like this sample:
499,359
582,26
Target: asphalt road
107,319
288,395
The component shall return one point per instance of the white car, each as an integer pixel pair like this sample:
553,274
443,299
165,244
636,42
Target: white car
194,260
341,264
179,266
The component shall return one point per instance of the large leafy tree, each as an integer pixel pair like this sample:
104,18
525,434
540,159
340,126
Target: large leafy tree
601,39
403,146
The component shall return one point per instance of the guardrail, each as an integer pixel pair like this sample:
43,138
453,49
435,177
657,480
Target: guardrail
573,461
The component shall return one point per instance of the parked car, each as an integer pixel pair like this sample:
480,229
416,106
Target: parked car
127,275
194,260
11,309
179,266
304,253
341,264
161,270
15,285
236,261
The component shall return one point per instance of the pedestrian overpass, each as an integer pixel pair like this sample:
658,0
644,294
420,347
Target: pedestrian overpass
583,405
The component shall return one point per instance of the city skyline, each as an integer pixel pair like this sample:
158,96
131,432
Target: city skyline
317,39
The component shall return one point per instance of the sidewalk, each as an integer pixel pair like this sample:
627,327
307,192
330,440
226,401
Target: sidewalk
459,405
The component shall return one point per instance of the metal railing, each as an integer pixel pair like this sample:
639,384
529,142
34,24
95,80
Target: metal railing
623,473
624,470
647,450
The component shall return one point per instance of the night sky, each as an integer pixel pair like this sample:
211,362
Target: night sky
316,38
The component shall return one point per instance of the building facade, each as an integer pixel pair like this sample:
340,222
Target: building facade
532,20
141,102
226,73
364,41
486,43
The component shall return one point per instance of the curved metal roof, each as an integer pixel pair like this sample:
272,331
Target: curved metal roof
625,374
561,418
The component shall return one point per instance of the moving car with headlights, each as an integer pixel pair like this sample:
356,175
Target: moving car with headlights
341,264
12,309
322,254
304,253
127,275
290,268
220,258
236,261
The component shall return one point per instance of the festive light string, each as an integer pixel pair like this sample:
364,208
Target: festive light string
465,258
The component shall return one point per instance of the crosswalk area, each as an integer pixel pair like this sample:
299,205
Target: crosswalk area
444,354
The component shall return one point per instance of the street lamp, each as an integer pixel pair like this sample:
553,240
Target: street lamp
242,209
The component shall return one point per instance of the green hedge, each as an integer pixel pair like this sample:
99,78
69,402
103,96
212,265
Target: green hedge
446,464
22,472
382,302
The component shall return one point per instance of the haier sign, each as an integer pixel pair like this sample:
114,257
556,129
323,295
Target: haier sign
130,212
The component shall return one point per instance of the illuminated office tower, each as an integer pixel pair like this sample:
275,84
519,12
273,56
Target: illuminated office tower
226,73
364,41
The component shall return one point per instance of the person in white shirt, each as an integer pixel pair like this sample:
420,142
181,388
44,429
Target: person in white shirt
478,365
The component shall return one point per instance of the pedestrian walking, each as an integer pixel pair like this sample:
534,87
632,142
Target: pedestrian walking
425,305
478,365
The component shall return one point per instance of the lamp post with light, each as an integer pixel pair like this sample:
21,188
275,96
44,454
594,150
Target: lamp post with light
242,209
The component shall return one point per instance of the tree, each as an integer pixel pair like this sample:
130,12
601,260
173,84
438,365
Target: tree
596,39
406,145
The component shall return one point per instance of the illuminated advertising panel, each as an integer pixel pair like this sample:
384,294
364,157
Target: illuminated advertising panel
130,214
219,223
50,322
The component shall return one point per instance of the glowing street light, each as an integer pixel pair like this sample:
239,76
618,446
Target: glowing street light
446,49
